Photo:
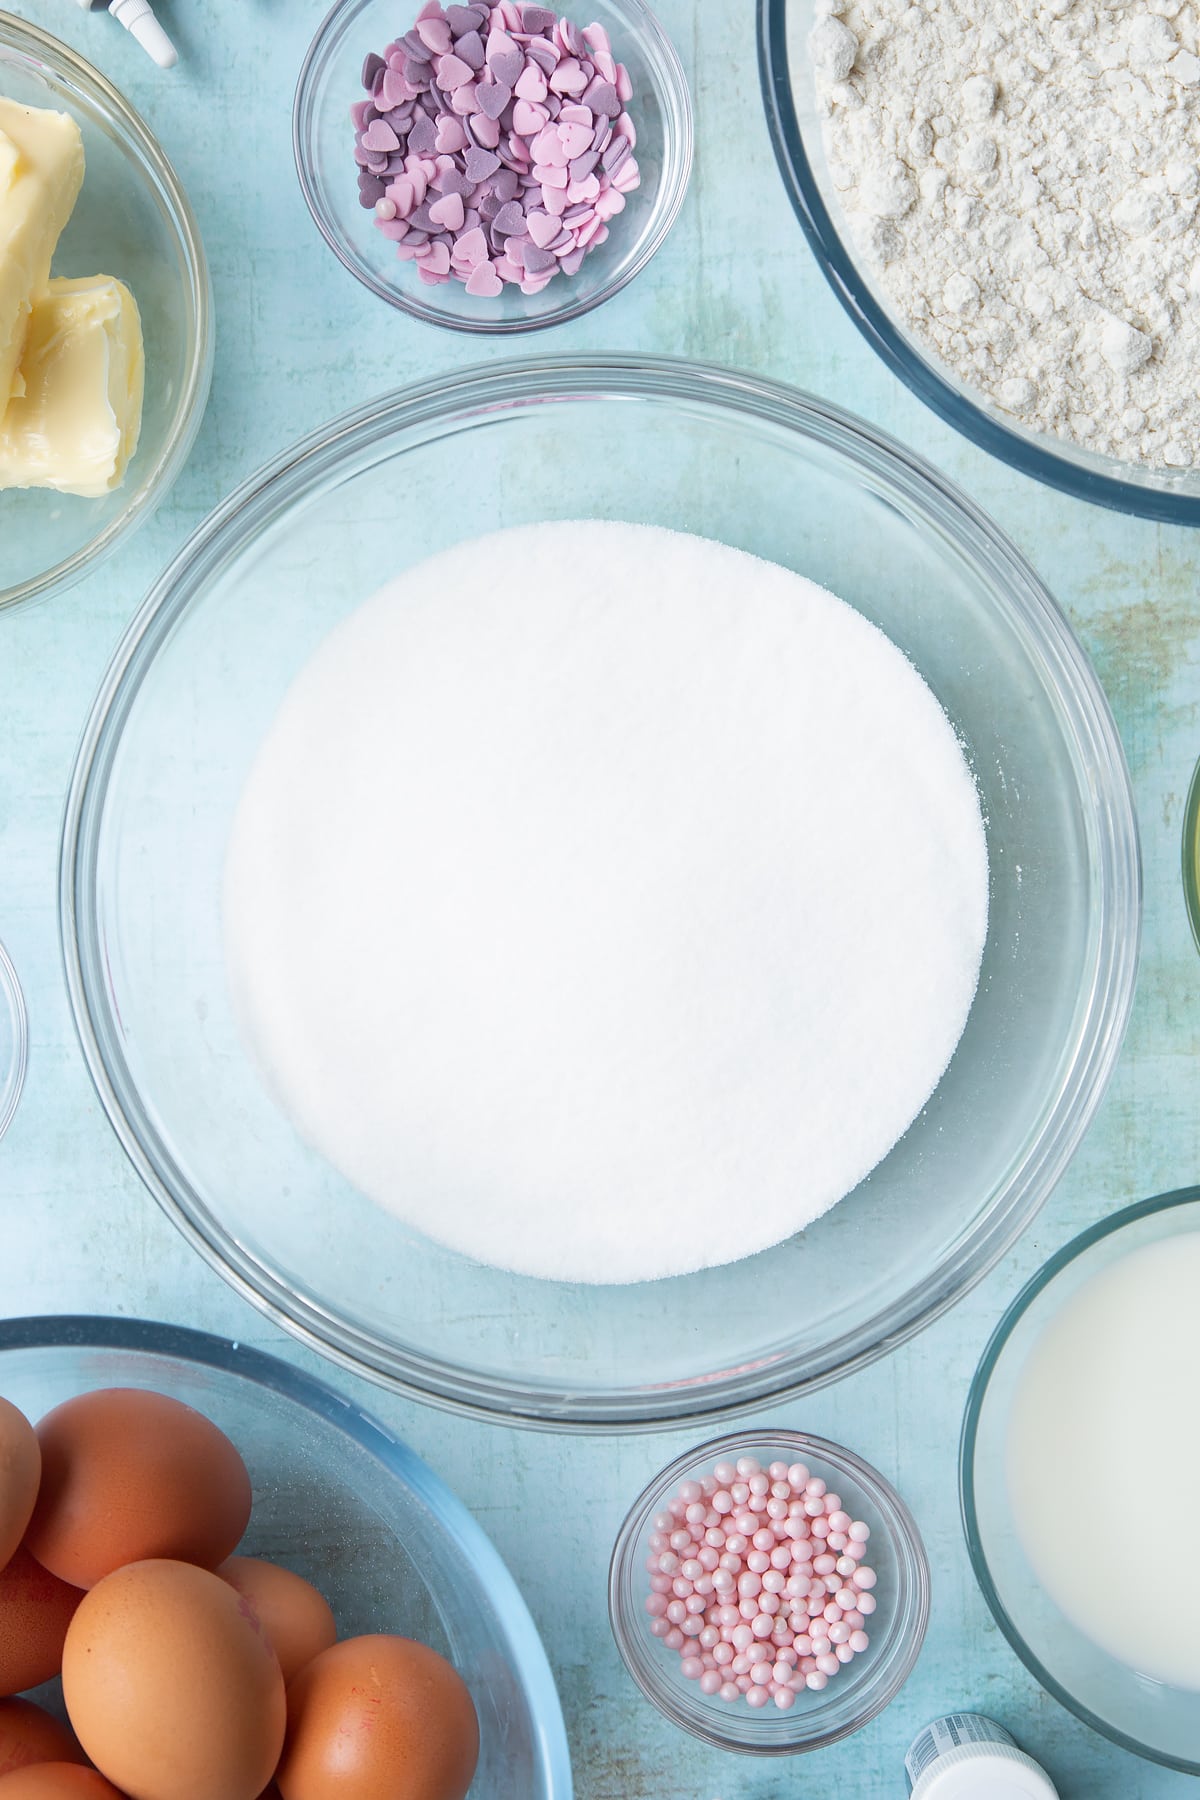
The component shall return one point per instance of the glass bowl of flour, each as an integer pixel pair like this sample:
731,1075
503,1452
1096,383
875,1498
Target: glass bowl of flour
1009,217
612,952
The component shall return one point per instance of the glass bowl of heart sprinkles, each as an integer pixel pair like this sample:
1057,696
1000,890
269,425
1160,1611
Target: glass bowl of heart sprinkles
493,168
769,1592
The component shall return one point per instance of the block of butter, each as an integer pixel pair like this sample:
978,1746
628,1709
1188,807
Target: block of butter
41,173
76,425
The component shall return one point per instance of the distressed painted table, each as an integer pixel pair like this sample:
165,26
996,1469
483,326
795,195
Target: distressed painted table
298,340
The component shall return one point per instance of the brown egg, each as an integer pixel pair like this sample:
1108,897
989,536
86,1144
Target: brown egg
296,1619
57,1781
28,1734
20,1472
35,1610
128,1476
172,1687
379,1718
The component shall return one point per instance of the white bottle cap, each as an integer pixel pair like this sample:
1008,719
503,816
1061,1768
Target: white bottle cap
994,1773
968,1757
137,17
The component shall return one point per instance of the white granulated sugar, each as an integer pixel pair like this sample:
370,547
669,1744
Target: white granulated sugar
604,901
1022,178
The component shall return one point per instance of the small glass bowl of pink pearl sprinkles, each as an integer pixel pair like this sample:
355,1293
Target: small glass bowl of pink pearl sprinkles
769,1593
487,224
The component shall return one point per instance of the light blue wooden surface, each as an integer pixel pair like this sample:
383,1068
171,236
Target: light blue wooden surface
299,341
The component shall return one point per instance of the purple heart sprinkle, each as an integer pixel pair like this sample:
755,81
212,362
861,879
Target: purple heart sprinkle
507,66
370,189
469,49
543,54
510,220
576,42
602,97
537,19
582,166
537,261
481,163
422,139
418,50
493,97
373,66
506,184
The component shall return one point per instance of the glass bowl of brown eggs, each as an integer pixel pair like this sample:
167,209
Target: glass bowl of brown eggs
332,1498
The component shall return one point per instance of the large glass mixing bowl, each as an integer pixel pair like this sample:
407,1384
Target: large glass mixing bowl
341,1501
196,684
794,118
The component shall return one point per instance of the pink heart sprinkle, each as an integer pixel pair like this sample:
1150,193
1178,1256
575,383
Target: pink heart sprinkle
546,141
395,90
483,282
403,195
487,131
437,258
452,72
449,211
575,139
499,44
542,228
435,35
532,84
569,77
465,99
554,200
577,115
380,138
529,119
451,135
471,248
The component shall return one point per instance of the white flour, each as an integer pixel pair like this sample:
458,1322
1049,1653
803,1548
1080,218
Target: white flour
1023,176
606,902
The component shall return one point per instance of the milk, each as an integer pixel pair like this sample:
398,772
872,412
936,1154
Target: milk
1104,1459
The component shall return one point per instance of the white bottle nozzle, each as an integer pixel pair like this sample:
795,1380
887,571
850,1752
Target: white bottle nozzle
137,16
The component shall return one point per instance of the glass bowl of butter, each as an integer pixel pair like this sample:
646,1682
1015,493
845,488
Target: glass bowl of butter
105,317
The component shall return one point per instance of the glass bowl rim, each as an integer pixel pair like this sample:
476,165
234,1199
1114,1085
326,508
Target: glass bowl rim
12,1000
680,132
20,35
977,1394
507,387
230,1356
842,273
902,1527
